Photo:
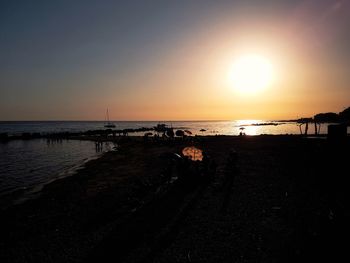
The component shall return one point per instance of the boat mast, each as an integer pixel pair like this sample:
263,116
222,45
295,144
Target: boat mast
107,116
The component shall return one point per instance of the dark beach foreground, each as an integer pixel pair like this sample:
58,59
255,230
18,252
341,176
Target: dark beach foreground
260,199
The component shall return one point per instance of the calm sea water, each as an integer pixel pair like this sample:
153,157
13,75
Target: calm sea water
211,127
27,164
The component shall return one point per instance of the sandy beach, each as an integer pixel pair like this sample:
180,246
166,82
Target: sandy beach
280,199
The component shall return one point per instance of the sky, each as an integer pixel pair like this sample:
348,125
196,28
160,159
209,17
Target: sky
171,60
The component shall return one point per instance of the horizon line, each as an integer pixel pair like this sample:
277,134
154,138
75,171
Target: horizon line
198,120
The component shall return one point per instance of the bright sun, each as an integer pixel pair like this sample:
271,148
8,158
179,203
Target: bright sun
251,74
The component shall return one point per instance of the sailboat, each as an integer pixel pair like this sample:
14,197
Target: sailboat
109,124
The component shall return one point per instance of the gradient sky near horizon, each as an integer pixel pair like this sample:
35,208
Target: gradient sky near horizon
170,60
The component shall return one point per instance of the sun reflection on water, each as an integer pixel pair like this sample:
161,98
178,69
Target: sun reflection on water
248,128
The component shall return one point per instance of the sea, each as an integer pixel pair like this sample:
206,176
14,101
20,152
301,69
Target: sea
27,165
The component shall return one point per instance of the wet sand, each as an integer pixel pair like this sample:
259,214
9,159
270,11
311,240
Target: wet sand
285,199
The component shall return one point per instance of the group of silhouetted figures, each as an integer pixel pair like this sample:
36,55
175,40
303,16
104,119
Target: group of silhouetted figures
98,146
54,140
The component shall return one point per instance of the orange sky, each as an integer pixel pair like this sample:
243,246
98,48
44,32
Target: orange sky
190,80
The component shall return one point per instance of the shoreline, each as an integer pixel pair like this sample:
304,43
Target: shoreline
21,194
35,191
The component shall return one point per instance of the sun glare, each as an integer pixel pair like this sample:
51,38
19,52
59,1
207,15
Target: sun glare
251,74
